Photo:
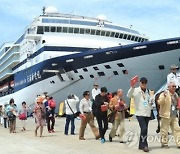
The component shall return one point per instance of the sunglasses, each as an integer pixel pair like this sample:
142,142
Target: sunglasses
88,94
144,82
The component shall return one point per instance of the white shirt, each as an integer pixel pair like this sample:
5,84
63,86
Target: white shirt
174,78
95,92
142,101
85,105
72,103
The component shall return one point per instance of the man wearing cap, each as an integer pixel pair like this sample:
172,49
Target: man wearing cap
95,91
143,106
168,113
174,77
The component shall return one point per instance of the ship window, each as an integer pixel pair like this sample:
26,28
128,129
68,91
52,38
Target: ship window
85,70
96,68
142,40
120,64
81,77
98,32
59,29
102,33
121,35
125,71
40,30
132,38
81,30
107,33
107,66
115,72
92,31
129,37
91,76
116,35
46,29
53,29
139,40
101,74
76,30
125,36
87,31
112,34
70,30
65,29
75,71
161,67
136,39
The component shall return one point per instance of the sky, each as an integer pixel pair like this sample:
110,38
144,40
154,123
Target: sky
157,19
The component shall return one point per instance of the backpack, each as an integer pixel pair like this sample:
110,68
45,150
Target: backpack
52,103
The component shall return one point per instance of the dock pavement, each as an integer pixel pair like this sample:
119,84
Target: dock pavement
57,143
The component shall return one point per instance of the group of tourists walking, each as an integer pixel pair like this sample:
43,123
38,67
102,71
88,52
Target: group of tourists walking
104,107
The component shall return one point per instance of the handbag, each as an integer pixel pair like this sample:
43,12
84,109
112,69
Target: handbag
104,108
75,115
111,116
11,116
83,117
22,116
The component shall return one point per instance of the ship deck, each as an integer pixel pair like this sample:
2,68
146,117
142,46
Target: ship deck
27,143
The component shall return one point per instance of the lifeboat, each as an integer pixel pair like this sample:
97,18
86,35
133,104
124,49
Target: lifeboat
5,87
12,84
1,88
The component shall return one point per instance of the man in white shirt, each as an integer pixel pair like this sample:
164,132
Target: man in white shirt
174,77
143,106
95,91
85,108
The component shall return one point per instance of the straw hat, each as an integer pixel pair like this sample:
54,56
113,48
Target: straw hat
174,67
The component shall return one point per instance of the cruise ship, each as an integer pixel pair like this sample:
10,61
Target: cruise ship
64,53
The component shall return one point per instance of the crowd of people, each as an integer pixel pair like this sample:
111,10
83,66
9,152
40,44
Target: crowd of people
102,107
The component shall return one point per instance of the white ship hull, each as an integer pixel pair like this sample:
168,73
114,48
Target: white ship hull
142,65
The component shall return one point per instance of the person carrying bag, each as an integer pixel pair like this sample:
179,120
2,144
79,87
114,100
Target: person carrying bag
71,111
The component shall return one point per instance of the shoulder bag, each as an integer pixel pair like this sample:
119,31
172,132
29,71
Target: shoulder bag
75,116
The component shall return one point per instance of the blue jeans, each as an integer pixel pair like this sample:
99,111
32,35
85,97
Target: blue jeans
143,123
69,118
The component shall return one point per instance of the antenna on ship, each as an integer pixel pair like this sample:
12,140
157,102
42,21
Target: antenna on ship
44,8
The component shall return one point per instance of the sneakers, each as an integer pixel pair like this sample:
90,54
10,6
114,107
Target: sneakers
110,138
53,131
146,149
103,140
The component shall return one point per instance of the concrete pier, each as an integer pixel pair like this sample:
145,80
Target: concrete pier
55,143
